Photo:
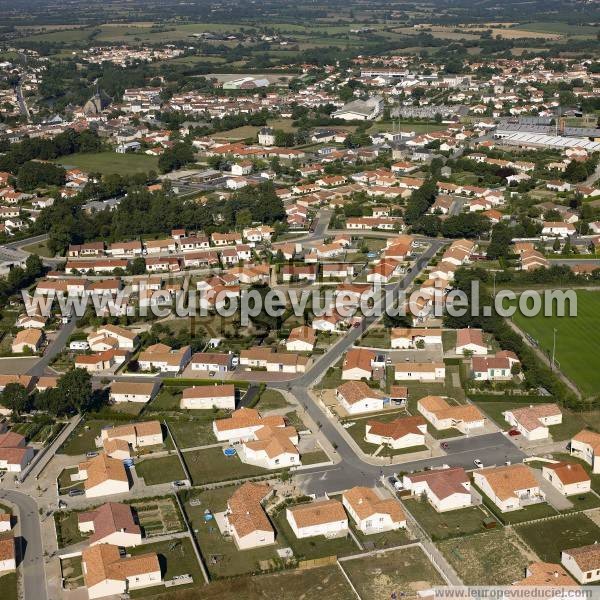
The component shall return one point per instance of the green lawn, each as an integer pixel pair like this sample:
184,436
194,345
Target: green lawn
64,481
271,400
190,432
403,571
8,585
220,553
548,538
574,344
160,470
176,557
380,541
109,163
440,526
211,465
67,531
491,558
82,438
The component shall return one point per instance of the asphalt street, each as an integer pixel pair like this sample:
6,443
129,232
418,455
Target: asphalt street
29,546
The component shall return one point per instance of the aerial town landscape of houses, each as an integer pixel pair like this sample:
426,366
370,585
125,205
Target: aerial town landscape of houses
416,187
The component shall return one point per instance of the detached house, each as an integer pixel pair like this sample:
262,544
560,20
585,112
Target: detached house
404,432
371,513
470,340
583,563
533,421
358,364
107,573
102,476
163,358
418,371
442,415
322,517
445,489
8,557
510,487
494,368
123,391
568,478
111,523
246,520
205,397
586,446
357,398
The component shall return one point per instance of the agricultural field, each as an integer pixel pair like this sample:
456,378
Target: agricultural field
405,571
108,163
492,558
574,344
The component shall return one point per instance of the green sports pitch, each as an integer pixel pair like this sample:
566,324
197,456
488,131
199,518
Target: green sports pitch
577,340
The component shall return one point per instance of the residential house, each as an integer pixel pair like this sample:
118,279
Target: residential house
15,454
301,339
509,487
356,397
470,341
163,358
107,573
102,476
246,519
125,391
533,421
206,397
442,415
214,362
586,446
358,364
403,432
371,513
412,338
27,340
444,489
494,368
583,563
110,523
321,517
541,574
417,371
569,478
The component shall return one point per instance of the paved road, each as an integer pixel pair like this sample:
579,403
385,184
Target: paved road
54,348
33,573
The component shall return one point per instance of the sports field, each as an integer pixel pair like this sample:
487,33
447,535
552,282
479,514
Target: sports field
108,163
577,341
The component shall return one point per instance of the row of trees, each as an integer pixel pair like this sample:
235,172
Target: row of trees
143,212
72,395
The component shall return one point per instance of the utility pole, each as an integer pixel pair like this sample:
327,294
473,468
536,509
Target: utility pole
553,349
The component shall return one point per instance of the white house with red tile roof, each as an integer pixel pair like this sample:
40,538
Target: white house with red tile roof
371,513
445,489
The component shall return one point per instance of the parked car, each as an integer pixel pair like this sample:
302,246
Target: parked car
91,454
444,445
76,492
514,432
478,463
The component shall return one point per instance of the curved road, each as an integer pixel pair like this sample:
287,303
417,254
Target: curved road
29,545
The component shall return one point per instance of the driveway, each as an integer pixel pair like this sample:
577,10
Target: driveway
553,496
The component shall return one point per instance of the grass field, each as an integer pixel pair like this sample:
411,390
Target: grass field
8,584
176,557
404,572
323,582
108,163
211,465
220,553
548,538
160,470
575,344
492,558
440,526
